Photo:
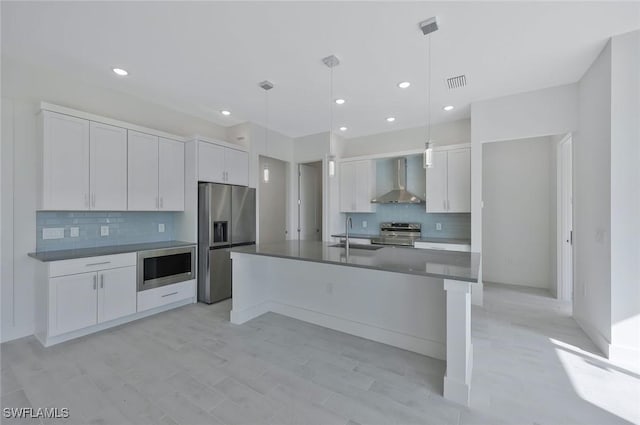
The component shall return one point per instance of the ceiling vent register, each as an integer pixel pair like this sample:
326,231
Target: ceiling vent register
457,82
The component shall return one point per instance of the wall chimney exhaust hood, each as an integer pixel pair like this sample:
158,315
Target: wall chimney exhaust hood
399,194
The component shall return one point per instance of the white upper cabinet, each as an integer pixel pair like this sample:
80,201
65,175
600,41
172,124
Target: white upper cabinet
143,172
65,162
449,182
237,167
357,186
219,164
459,180
108,167
211,163
171,174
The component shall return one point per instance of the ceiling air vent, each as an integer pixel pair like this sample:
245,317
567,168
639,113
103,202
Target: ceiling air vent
457,82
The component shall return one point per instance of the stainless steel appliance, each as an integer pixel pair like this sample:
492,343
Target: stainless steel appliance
402,234
159,267
226,218
399,194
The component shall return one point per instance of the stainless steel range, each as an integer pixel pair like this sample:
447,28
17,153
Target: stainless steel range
401,234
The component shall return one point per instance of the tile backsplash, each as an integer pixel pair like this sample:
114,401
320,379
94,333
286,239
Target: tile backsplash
454,225
126,227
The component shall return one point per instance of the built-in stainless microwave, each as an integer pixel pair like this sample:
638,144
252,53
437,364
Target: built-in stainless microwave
161,267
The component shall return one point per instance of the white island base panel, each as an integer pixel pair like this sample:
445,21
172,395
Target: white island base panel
426,315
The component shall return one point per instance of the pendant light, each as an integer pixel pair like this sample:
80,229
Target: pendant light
266,86
429,26
331,62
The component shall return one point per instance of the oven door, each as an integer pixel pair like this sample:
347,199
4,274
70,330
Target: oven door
165,266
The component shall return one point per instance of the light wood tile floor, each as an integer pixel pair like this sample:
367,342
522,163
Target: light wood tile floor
533,365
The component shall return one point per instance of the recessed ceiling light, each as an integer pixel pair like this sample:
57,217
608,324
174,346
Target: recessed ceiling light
404,84
225,113
448,108
121,72
343,128
340,101
391,119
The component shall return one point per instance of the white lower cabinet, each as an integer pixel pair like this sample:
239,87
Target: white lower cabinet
85,295
116,293
72,302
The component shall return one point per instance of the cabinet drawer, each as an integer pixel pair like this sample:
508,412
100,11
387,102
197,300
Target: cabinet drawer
91,264
156,297
443,246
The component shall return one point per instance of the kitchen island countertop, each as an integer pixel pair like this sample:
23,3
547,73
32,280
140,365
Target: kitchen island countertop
462,266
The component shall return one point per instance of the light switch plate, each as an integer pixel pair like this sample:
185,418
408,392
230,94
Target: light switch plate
438,226
74,232
161,227
53,233
104,230
364,224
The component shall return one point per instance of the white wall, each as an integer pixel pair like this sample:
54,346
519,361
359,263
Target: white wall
272,202
625,196
592,209
517,225
410,139
23,88
533,114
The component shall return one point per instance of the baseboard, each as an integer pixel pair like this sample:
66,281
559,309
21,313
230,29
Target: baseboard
407,342
627,357
53,340
238,317
598,339
457,391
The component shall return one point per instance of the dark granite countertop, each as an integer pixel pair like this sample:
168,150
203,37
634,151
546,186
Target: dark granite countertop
432,239
69,254
423,262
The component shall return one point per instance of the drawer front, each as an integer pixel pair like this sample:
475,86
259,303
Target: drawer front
443,246
91,264
156,297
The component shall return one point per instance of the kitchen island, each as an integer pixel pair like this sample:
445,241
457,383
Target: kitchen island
418,300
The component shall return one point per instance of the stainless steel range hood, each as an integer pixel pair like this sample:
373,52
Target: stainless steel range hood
399,194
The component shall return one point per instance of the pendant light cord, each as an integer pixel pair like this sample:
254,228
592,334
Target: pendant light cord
429,90
331,114
266,128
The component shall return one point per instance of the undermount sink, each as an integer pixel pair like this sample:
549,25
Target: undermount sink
358,246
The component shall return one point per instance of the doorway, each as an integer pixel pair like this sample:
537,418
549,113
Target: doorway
565,219
272,201
310,201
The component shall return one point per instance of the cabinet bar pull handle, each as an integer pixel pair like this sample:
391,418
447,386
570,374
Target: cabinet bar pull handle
168,295
101,281
161,202
86,200
97,264
94,282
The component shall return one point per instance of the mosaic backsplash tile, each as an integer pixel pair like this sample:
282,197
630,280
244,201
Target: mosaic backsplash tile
126,227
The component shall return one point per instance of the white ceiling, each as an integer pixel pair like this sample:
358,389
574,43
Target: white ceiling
201,57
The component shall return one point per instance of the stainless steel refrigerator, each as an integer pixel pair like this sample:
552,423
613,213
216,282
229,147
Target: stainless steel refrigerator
226,218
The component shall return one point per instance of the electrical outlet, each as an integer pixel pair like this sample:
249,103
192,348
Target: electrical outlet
438,226
364,224
104,230
161,227
74,232
53,233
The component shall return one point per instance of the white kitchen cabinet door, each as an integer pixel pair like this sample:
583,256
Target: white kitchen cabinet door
237,167
211,166
171,174
73,302
143,172
117,294
108,167
437,183
459,181
347,187
365,186
65,162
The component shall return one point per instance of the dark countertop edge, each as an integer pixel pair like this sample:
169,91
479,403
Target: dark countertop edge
70,254
361,266
425,239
